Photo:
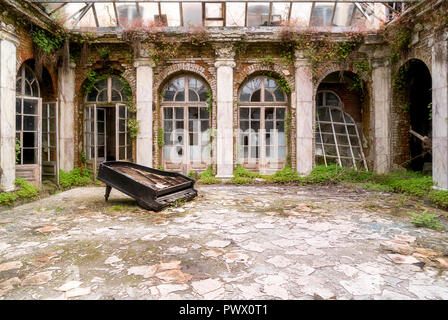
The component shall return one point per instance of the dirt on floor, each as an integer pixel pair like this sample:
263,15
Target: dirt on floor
231,242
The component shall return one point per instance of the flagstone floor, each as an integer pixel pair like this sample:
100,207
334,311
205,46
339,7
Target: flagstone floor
248,242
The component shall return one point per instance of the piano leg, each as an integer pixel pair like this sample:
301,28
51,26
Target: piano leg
108,189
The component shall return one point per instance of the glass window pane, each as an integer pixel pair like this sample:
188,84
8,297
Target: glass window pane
30,123
192,14
279,13
235,14
29,156
29,139
29,107
257,14
343,14
172,13
322,14
244,113
148,12
280,113
300,13
87,21
18,123
127,14
179,113
193,113
213,10
168,113
105,13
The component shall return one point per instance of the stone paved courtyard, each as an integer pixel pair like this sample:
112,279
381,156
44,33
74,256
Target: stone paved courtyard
251,242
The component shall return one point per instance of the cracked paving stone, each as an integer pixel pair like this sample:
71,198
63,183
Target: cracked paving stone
48,229
253,246
213,253
302,269
322,292
280,261
203,287
144,271
363,284
318,242
276,291
37,279
69,285
251,291
232,257
112,260
165,289
429,292
177,250
174,276
77,292
218,243
10,265
169,265
391,295
398,258
153,237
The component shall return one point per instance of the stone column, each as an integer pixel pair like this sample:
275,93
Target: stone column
440,112
144,82
8,45
304,114
382,99
224,80
66,94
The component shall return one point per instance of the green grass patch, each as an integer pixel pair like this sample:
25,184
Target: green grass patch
208,177
74,178
24,191
439,197
286,175
426,220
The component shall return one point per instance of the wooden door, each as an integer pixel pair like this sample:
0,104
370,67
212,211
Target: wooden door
50,142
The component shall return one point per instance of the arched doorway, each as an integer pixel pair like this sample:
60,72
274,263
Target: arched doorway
413,102
186,119
337,139
106,134
262,142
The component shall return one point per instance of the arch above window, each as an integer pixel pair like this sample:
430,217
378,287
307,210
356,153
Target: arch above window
185,88
262,89
111,89
26,83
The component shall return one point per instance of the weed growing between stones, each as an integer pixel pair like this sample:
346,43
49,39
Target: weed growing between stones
426,220
74,178
24,191
207,177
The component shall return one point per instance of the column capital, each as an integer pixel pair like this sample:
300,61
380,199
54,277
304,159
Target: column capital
380,62
224,51
300,59
225,63
8,32
144,62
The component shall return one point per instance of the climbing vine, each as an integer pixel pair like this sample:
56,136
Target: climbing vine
47,42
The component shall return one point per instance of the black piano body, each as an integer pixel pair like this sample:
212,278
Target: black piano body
153,189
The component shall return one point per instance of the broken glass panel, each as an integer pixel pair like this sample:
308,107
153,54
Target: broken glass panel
127,14
336,138
235,14
105,13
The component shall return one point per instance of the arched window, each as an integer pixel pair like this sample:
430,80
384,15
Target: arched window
28,106
107,90
337,138
185,89
262,112
186,124
26,83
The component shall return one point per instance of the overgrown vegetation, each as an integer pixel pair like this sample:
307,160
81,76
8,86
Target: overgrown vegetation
47,42
426,220
24,191
74,178
208,176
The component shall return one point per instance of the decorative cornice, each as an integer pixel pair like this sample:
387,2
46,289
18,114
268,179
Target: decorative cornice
144,62
8,32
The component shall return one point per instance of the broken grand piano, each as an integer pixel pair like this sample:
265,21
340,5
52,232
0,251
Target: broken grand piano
153,189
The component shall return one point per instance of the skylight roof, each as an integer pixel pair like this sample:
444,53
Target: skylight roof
93,15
